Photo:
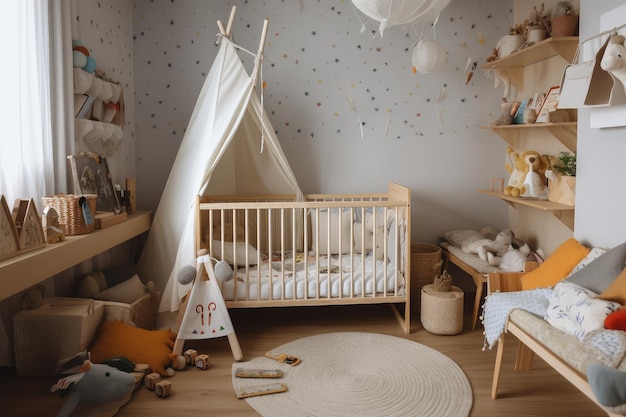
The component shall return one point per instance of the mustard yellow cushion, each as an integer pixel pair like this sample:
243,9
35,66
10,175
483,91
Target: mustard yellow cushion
153,347
617,290
557,266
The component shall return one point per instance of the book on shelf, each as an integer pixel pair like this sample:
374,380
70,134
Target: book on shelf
82,105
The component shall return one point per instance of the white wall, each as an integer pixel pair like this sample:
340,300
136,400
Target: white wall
316,57
600,218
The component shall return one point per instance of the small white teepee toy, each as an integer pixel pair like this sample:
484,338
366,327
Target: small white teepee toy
203,314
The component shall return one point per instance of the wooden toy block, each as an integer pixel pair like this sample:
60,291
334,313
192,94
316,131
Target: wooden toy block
163,389
190,356
151,380
202,362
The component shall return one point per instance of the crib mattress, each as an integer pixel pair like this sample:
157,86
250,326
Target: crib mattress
315,277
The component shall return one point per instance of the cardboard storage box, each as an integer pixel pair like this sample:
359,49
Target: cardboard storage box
59,329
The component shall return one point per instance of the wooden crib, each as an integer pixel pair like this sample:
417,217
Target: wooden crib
329,249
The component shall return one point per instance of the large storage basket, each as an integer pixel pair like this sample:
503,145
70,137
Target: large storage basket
425,265
60,328
71,213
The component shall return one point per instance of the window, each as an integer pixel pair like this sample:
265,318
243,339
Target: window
27,149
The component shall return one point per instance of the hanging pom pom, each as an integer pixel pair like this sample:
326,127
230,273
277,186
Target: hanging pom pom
186,274
223,271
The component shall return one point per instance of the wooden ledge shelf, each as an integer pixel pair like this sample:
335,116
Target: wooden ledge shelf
563,46
25,270
562,212
565,132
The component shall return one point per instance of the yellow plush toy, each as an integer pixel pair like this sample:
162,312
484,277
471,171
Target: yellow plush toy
519,166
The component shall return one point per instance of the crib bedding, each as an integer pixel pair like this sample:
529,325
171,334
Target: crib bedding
334,276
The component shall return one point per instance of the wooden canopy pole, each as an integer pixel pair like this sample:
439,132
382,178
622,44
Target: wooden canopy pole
266,25
231,19
222,29
226,31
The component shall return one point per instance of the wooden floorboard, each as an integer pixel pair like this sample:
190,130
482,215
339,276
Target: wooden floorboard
539,392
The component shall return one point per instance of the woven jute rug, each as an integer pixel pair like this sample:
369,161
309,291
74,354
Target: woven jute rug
361,374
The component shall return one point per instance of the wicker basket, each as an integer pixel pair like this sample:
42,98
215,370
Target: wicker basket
70,212
442,312
425,265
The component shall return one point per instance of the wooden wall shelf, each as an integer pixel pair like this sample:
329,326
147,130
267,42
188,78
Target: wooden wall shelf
561,211
564,46
566,132
25,270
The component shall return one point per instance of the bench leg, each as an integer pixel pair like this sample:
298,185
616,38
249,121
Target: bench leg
497,367
524,359
479,281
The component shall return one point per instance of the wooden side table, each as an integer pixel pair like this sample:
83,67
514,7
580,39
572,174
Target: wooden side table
442,312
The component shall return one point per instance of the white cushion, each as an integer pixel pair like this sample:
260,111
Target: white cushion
240,253
575,310
127,292
335,239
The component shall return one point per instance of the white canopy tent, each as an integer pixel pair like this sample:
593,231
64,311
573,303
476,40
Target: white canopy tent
229,147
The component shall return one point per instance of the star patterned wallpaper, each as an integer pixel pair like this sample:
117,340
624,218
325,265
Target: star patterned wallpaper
348,109
105,28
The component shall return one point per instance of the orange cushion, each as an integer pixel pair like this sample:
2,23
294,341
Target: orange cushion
152,347
617,290
557,266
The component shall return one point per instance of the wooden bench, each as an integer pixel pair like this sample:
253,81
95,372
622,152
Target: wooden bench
528,345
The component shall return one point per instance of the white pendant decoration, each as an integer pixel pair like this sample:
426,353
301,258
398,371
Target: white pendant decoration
400,12
429,56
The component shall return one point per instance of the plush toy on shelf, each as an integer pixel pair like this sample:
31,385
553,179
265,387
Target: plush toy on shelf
529,163
82,58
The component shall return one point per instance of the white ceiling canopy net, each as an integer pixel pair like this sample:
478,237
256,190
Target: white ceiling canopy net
401,12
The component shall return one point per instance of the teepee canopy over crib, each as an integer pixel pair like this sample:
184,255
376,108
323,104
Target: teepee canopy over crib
229,147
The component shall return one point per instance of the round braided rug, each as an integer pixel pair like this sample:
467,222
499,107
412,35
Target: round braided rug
364,374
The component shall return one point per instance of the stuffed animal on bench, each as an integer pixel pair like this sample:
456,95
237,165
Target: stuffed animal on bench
492,250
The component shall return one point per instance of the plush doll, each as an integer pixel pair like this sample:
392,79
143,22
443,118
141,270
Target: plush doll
364,236
614,59
519,165
492,250
104,388
508,112
372,230
514,259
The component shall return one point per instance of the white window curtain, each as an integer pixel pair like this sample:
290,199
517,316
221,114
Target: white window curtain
35,111
36,132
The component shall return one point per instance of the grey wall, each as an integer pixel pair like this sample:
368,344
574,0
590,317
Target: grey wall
316,57
600,199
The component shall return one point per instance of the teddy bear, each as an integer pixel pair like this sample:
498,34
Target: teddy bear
519,166
492,250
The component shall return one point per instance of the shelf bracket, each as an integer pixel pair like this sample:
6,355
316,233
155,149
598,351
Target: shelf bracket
566,134
566,217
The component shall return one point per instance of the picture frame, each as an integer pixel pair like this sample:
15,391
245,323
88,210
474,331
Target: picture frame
91,176
550,103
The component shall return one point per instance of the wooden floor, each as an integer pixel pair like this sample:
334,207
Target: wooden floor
540,392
